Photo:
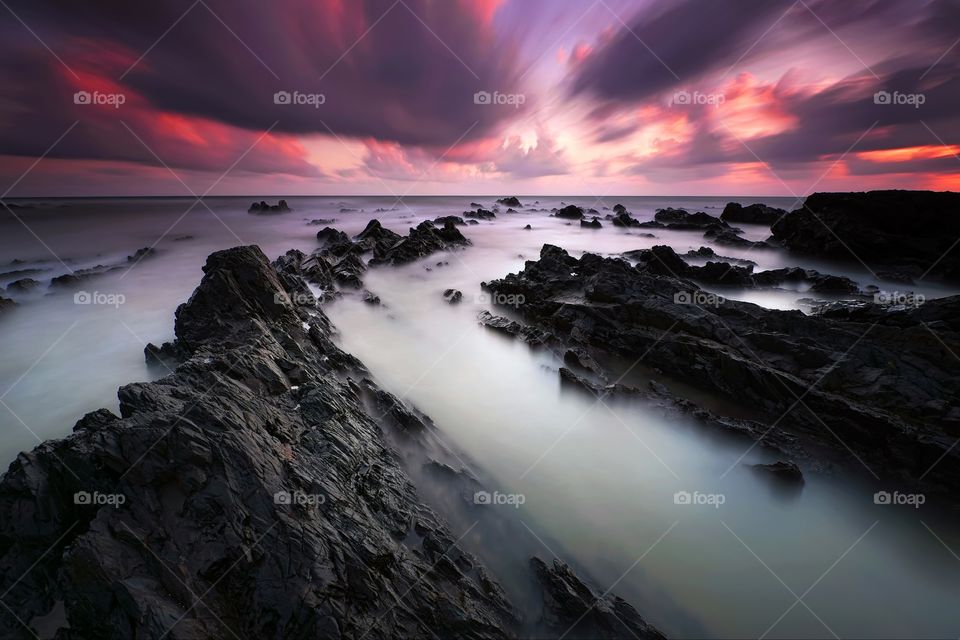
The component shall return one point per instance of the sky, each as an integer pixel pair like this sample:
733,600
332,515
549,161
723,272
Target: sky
498,97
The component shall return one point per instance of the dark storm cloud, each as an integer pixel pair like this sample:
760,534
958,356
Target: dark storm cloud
383,73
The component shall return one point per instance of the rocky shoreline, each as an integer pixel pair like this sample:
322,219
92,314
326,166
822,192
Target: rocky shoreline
871,390
262,490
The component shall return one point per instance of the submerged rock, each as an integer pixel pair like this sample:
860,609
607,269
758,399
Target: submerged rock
422,241
480,213
6,304
592,224
510,201
23,285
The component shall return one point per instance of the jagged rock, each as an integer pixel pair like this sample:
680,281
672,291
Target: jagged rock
371,298
619,208
480,213
884,385
592,224
528,228
729,238
422,241
624,219
530,335
263,207
510,201
256,491
904,231
443,220
571,607
452,296
24,285
6,304
681,219
571,212
140,254
786,472
751,214
707,252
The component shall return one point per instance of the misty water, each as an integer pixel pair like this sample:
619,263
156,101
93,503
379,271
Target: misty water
598,479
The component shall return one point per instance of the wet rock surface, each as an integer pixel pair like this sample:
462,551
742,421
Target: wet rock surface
255,491
883,387
262,207
909,232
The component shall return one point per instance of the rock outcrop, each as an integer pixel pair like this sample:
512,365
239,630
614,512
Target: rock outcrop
257,492
751,214
907,232
885,388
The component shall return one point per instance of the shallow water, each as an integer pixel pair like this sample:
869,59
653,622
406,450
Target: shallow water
598,480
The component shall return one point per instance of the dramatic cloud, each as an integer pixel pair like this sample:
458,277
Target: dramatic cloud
677,95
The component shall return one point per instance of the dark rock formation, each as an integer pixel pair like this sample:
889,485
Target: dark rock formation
681,219
23,285
371,298
255,492
422,241
481,213
903,231
592,224
510,201
886,387
528,228
452,296
786,472
729,238
6,304
531,335
262,207
571,211
572,609
751,214
624,219
443,220
140,254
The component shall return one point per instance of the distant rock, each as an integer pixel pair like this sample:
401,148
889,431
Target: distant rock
442,220
751,214
262,207
624,219
6,304
592,224
571,212
681,219
483,214
528,228
452,296
24,285
140,254
729,238
510,201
